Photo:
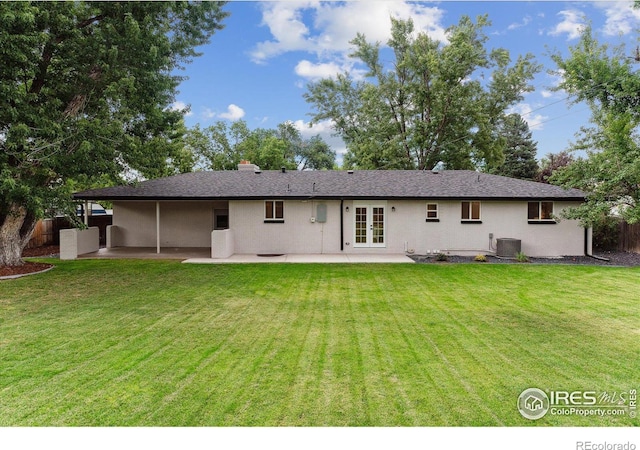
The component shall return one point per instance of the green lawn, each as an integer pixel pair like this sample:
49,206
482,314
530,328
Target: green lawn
101,343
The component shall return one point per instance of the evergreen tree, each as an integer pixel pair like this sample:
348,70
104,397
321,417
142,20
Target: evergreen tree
519,151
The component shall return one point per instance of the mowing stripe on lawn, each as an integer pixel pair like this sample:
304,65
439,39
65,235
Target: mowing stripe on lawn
160,343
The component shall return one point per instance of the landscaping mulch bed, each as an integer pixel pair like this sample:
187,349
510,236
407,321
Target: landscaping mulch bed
31,267
612,259
25,269
45,250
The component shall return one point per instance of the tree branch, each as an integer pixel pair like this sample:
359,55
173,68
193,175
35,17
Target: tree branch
49,49
85,23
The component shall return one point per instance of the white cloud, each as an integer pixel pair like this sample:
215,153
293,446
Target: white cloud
289,32
208,114
622,18
234,112
181,106
517,25
334,24
326,131
546,94
340,22
535,121
308,130
555,80
307,69
572,24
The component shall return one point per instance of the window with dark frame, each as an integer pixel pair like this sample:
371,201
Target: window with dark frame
274,211
220,219
470,211
432,212
540,212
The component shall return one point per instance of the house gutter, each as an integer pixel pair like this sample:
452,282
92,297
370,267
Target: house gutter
341,224
588,245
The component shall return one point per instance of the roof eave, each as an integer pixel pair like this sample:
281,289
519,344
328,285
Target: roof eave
323,197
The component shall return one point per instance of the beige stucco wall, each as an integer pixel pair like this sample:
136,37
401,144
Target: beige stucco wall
182,224
503,219
189,224
74,242
298,234
222,243
406,229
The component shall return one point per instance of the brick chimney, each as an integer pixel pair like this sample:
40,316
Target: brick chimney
246,165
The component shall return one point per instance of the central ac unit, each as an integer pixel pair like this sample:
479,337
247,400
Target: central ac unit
508,247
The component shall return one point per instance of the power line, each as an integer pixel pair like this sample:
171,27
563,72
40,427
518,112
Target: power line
571,95
558,117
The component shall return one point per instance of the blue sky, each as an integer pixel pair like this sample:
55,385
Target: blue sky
257,68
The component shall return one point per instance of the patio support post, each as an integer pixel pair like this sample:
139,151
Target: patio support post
341,224
85,216
158,227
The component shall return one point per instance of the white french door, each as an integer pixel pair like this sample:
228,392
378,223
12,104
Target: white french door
369,225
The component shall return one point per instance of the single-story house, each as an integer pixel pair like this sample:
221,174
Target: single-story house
249,211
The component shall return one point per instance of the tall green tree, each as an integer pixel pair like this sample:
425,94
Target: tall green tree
85,91
519,150
217,147
315,154
606,79
222,146
435,102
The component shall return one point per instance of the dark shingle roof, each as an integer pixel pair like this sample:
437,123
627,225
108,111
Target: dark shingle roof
361,184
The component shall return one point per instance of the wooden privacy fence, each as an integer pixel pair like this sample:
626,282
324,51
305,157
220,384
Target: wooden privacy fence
47,231
42,235
629,237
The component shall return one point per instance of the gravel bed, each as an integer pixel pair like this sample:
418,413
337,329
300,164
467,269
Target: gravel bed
612,259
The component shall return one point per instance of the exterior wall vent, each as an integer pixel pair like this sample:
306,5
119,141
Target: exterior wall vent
508,247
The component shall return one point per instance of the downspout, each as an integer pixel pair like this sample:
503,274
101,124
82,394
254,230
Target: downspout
588,245
158,227
341,224
587,249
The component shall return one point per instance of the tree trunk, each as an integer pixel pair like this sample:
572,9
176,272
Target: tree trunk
16,229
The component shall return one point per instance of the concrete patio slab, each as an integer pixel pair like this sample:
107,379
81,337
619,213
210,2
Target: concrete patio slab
148,253
306,258
203,256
